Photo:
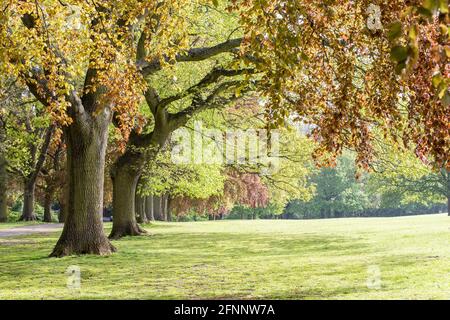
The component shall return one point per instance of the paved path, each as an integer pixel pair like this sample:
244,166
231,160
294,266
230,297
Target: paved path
25,230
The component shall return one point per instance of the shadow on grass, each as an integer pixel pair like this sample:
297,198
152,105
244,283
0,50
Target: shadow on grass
245,244
214,265
192,246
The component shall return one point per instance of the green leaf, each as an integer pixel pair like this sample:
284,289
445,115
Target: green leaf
413,33
238,91
424,12
446,99
443,88
431,5
395,30
437,79
447,52
399,67
443,6
444,29
399,53
304,56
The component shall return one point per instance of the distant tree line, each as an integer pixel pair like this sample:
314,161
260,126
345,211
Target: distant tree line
395,188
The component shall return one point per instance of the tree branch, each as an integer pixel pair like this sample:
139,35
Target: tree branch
42,153
152,99
210,78
198,104
195,54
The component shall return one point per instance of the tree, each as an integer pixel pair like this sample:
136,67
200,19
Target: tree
79,60
341,93
26,135
399,174
30,135
212,86
419,41
236,189
268,181
3,172
326,62
185,185
289,181
52,175
9,96
86,63
246,190
338,192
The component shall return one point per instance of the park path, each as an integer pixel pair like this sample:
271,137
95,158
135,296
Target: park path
26,230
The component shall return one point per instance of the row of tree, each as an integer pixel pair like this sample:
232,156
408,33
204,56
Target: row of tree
398,184
134,72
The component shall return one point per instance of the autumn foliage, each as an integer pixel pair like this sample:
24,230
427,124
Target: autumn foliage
322,61
240,188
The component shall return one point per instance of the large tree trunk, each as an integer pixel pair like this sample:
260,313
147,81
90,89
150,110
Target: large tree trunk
125,177
47,206
126,171
63,198
62,208
149,204
83,228
62,212
28,201
3,188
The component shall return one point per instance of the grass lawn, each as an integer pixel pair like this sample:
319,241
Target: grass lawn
321,259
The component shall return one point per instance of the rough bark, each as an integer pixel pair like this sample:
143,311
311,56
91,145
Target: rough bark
62,210
28,201
47,207
127,170
3,189
86,148
149,212
125,178
63,199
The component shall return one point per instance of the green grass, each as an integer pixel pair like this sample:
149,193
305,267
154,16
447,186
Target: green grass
321,259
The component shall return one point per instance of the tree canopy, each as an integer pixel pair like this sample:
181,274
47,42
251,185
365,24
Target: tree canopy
135,72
